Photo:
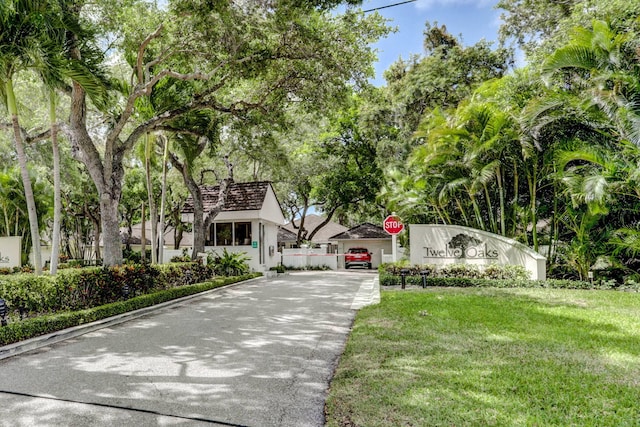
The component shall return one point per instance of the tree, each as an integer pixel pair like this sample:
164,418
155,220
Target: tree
444,76
531,22
27,42
282,52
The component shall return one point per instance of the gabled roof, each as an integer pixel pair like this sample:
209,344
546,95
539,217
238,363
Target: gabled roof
285,235
311,222
362,231
136,235
241,196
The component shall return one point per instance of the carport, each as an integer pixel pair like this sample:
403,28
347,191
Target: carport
366,235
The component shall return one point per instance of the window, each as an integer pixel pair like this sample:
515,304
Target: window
224,234
242,233
230,234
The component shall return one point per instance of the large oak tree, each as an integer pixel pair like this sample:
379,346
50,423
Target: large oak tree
229,57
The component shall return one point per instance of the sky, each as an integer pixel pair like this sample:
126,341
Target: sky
473,20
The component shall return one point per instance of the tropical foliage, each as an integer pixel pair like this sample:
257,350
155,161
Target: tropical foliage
546,153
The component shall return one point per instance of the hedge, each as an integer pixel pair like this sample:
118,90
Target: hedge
387,279
76,289
33,327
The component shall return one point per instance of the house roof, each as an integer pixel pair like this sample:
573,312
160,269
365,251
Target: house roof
311,222
361,232
285,235
242,196
136,235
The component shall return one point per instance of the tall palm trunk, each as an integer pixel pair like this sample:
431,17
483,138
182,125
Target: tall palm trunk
463,212
57,199
163,200
516,196
534,209
143,234
153,208
492,219
26,180
503,228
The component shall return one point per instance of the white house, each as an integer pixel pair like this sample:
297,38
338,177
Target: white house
248,222
367,235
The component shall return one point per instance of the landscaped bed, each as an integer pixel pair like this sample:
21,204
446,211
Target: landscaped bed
488,356
37,305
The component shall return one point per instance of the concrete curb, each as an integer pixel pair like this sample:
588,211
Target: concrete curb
35,343
368,294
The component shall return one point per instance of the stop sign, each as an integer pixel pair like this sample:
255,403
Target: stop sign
392,224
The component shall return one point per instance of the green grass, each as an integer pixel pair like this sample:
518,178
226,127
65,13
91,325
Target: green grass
491,357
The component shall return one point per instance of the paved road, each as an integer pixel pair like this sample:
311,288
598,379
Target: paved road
259,354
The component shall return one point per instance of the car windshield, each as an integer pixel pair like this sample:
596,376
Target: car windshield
358,251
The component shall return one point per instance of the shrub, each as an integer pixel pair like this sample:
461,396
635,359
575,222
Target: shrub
30,328
229,263
387,279
74,289
492,271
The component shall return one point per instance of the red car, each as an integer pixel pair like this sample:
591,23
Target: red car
357,256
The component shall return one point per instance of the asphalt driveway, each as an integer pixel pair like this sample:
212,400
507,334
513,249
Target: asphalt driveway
258,354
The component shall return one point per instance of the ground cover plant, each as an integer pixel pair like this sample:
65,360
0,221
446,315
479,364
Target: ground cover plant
488,356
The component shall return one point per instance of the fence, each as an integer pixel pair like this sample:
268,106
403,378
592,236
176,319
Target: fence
309,257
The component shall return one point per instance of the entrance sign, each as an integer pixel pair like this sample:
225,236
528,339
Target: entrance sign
10,249
392,224
454,244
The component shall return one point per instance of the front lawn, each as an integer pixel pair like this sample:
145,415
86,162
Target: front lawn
503,357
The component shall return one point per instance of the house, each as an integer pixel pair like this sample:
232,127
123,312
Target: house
367,235
248,222
322,237
135,240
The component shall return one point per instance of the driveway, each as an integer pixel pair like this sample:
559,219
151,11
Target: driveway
258,354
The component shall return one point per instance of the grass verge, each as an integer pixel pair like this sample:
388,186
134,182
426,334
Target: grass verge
491,357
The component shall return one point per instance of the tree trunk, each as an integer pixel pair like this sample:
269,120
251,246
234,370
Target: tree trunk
143,234
106,175
26,180
200,223
163,200
57,199
153,209
503,228
199,233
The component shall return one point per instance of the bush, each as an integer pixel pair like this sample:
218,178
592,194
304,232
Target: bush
229,263
471,271
278,269
387,279
75,289
30,328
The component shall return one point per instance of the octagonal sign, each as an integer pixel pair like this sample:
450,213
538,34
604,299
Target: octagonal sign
392,224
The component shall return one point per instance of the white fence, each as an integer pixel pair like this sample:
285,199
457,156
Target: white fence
309,257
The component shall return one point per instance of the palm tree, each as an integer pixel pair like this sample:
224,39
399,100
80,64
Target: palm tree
30,38
599,65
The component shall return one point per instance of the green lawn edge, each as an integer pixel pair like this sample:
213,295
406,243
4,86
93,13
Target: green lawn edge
490,356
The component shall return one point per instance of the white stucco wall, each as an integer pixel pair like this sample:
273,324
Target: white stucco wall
268,247
429,244
10,248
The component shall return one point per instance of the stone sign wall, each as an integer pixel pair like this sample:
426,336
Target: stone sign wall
10,249
451,244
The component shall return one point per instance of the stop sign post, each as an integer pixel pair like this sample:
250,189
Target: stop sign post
393,226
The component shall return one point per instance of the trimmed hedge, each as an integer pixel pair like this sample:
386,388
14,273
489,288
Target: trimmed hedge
387,279
41,325
76,289
471,271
